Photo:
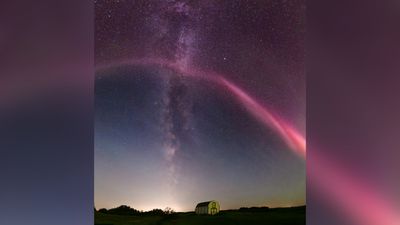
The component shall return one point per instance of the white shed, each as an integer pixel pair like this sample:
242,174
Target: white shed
210,208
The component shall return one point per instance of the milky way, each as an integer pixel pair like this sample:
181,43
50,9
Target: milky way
293,138
175,121
251,51
217,95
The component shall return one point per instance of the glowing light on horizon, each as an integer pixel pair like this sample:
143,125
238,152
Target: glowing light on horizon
361,205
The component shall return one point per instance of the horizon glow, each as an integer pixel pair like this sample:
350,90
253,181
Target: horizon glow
361,205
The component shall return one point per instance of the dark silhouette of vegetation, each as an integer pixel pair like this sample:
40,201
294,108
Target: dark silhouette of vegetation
169,210
292,209
102,210
125,210
154,212
242,216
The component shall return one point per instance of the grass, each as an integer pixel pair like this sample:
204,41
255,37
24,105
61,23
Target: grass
283,216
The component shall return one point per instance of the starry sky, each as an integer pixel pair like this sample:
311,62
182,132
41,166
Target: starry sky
199,100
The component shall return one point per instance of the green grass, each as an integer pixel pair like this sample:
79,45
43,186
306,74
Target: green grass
273,217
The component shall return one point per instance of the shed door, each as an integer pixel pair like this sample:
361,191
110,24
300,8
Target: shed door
213,208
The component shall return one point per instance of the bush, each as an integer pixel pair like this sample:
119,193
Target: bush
102,210
123,210
128,211
154,212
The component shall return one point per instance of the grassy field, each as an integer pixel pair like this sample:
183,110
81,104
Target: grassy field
284,216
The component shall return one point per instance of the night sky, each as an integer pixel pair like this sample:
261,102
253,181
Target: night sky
199,100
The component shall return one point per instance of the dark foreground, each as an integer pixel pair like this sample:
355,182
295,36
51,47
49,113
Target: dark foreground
282,216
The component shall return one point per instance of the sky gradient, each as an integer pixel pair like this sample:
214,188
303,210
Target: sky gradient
179,94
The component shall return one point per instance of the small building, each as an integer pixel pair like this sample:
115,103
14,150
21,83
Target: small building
210,208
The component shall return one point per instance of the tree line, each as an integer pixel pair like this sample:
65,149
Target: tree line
125,210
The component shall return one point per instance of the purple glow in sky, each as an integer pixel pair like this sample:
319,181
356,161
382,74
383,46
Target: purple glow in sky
173,117
195,95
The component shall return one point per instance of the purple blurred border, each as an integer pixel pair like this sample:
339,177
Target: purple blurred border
46,86
46,118
353,84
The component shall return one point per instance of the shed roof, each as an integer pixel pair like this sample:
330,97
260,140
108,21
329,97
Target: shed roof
201,204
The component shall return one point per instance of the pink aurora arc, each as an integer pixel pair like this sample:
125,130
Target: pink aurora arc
292,138
356,201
